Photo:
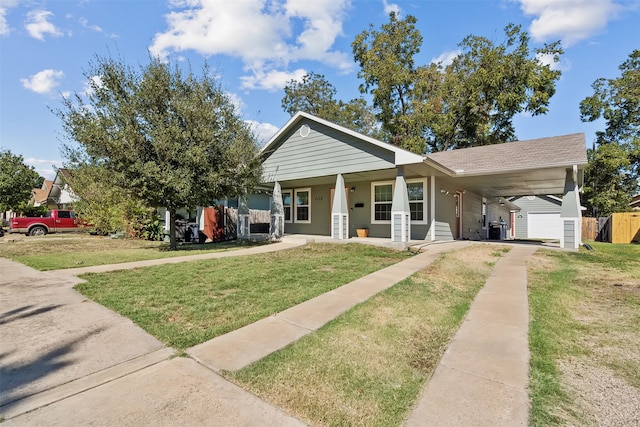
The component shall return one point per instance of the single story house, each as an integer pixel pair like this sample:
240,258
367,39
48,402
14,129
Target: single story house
334,181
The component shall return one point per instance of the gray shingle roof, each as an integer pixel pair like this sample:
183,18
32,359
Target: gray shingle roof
535,153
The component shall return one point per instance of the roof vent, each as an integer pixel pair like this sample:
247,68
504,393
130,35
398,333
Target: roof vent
304,130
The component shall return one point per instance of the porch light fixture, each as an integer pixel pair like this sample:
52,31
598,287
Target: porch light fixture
353,189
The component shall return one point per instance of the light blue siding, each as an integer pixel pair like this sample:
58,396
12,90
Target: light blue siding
317,154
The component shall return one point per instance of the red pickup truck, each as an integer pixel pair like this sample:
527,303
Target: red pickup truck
56,221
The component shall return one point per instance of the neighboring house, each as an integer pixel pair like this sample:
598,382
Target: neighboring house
61,193
538,218
40,196
405,196
635,203
56,194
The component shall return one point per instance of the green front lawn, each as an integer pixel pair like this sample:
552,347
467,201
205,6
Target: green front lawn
83,251
188,303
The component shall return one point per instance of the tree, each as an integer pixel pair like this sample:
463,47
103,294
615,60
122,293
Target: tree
608,187
172,139
104,204
388,70
486,86
315,95
470,102
17,181
617,101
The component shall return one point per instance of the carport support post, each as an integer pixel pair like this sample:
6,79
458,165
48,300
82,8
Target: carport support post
339,211
400,213
570,214
244,221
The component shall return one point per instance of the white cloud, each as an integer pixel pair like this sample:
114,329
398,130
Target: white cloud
44,81
391,7
38,24
88,88
263,131
547,59
46,168
271,80
5,5
446,57
261,33
569,20
85,23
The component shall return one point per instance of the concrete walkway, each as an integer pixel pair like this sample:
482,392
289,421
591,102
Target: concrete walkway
244,346
480,379
483,376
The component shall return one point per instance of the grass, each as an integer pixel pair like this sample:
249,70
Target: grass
585,320
82,251
189,303
367,367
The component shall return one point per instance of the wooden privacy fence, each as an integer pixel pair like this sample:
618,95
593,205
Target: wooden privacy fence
589,228
623,227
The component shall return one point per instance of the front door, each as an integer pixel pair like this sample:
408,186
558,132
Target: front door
458,198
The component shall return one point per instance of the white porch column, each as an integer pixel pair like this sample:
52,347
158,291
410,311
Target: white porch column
276,228
244,220
570,213
400,212
432,209
339,212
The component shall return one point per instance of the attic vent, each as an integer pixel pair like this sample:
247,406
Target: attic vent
304,130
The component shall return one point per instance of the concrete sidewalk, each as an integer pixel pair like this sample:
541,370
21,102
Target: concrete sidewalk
285,244
483,376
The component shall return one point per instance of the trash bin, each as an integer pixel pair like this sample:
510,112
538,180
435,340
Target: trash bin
495,231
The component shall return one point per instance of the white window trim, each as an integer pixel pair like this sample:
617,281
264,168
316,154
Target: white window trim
373,200
425,205
288,190
424,200
295,207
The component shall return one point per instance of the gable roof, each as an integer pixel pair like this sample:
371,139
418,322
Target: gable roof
402,157
40,195
566,150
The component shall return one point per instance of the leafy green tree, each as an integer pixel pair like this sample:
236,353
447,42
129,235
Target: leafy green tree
105,205
470,102
487,85
390,75
315,95
616,160
608,186
173,139
17,181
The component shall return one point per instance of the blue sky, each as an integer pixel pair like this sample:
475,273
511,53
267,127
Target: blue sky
256,46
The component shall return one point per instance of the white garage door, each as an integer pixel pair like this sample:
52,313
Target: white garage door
545,225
